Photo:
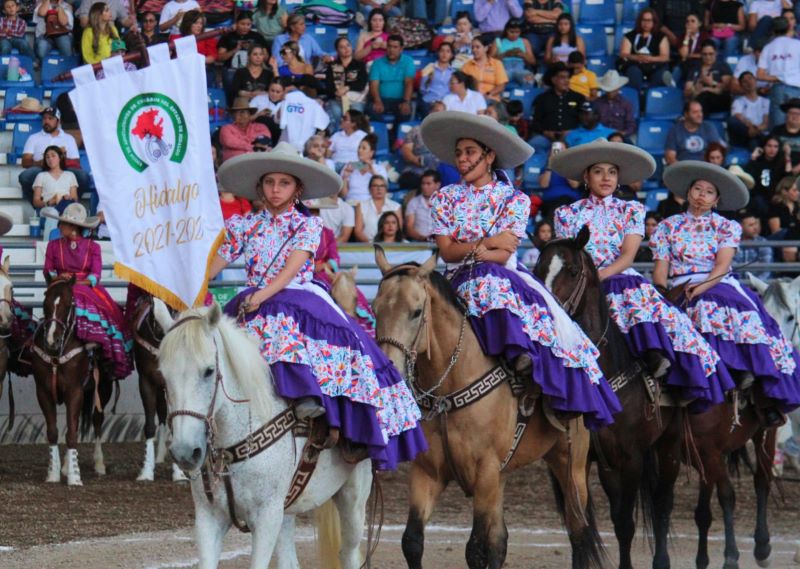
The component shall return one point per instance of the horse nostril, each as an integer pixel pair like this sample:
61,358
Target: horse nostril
196,454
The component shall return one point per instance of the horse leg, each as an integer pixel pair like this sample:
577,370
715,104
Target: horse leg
105,390
265,534
488,541
727,500
146,391
351,501
668,456
161,431
210,526
74,402
620,486
48,407
424,490
765,452
285,551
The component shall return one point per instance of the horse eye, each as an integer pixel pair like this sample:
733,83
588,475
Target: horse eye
416,314
208,373
790,318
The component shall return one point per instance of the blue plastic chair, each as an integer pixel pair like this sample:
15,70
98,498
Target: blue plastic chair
594,12
55,65
56,93
619,32
631,95
326,36
457,6
737,155
595,39
531,171
631,9
381,130
720,126
524,94
600,64
653,198
663,103
14,96
22,130
405,127
652,135
25,62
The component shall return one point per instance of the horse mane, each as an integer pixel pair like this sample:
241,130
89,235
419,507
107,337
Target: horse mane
437,280
240,351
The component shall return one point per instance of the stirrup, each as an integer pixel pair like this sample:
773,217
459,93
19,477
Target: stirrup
745,379
656,363
308,408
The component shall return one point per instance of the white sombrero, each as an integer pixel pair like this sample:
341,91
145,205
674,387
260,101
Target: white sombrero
6,223
75,214
240,174
634,164
611,81
441,132
330,202
738,171
679,177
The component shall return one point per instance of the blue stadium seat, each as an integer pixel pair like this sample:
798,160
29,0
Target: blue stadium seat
663,103
14,96
653,198
457,6
619,32
381,130
633,96
422,60
737,155
25,62
600,64
56,93
325,35
55,65
595,39
524,94
720,126
652,135
531,170
598,12
22,130
723,116
631,9
655,181
405,127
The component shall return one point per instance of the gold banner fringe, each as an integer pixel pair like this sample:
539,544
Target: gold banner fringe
150,286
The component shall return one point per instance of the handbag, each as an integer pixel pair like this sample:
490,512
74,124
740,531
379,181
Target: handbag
52,27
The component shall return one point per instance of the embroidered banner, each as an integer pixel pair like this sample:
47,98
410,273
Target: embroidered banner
146,136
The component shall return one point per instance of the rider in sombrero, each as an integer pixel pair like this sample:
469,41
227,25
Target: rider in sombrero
22,323
98,319
696,249
478,225
657,331
318,357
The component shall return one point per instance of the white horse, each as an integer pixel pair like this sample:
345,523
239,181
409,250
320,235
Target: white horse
210,366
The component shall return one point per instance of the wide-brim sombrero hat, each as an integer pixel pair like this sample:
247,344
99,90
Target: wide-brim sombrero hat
679,177
6,223
441,132
633,163
329,202
75,214
240,174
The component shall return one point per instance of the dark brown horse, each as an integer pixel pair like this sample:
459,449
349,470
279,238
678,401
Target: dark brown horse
640,453
424,330
65,373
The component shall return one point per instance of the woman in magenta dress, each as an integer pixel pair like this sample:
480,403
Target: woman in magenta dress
17,324
98,318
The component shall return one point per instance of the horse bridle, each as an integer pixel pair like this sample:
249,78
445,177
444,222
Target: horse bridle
68,325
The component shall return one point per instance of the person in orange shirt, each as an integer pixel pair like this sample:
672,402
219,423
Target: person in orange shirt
489,74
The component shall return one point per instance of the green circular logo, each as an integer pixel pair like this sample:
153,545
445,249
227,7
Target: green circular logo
150,128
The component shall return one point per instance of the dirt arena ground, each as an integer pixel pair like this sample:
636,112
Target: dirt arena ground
115,522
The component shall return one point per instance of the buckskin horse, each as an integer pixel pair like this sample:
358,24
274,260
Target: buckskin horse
64,373
640,454
471,416
220,390
147,335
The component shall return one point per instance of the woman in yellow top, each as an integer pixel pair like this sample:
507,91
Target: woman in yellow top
97,37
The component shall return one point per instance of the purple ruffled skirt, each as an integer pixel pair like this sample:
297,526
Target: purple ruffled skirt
314,352
510,319
747,338
650,322
99,320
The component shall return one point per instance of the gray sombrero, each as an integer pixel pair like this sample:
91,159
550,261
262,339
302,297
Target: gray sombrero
679,177
634,164
330,202
75,214
6,223
240,174
441,132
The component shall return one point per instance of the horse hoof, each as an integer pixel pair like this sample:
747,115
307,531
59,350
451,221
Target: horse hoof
100,470
764,562
731,564
145,477
74,482
53,479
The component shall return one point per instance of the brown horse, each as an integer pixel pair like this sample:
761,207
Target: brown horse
65,373
471,427
147,336
640,453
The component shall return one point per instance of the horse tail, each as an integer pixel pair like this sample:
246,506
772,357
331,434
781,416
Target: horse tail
87,406
736,459
647,489
329,535
588,550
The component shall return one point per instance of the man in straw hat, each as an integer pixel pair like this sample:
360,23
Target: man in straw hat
319,358
478,225
696,249
243,135
614,110
16,321
98,319
657,332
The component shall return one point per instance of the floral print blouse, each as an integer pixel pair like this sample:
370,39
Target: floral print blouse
691,244
259,237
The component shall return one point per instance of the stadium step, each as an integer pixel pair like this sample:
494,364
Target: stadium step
10,193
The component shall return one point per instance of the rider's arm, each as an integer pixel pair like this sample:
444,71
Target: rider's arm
452,251
628,250
722,266
660,273
217,264
95,264
293,265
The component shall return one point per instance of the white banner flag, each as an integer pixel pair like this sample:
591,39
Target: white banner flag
147,138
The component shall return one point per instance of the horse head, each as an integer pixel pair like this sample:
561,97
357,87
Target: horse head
202,349
782,301
58,312
6,298
567,269
344,291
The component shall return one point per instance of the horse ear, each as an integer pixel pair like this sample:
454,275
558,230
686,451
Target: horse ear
755,282
161,312
214,315
6,264
354,270
381,260
428,266
583,236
